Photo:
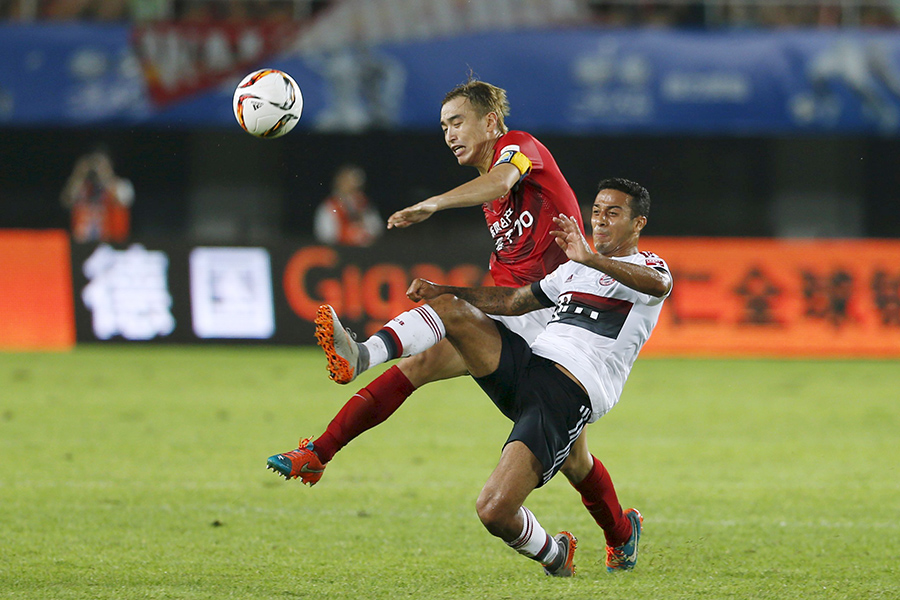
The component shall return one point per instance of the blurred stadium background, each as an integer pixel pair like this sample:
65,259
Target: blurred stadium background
766,132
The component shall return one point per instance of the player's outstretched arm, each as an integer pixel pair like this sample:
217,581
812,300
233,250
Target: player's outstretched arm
493,300
492,185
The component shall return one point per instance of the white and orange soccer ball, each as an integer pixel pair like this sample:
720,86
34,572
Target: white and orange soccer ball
268,103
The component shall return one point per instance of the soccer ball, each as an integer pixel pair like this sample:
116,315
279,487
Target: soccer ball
267,103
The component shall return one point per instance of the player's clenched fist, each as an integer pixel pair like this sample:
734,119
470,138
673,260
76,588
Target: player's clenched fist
422,290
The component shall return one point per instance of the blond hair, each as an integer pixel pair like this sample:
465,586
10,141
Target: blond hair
484,97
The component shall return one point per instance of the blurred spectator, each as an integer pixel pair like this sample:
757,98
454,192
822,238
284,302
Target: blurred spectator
801,13
346,217
745,13
98,199
191,11
241,11
64,10
673,13
143,11
99,10
374,20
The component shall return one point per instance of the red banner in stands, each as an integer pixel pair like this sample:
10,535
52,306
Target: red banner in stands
182,59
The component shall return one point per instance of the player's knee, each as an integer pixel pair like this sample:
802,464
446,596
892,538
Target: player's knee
451,310
443,304
495,515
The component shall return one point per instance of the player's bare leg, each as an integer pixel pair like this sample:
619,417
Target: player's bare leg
473,334
439,362
500,508
580,461
500,504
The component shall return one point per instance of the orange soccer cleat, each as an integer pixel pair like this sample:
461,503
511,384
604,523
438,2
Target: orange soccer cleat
567,544
302,463
340,347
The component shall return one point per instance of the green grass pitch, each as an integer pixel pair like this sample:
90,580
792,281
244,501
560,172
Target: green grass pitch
138,472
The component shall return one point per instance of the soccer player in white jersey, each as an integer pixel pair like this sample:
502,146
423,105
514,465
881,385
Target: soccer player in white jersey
607,300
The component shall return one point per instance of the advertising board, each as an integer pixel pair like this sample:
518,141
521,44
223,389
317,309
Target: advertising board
732,297
35,291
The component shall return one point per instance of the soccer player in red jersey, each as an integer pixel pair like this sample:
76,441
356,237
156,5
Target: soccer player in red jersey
518,187
521,190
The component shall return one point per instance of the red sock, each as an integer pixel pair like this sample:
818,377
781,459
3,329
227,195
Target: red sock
599,498
366,409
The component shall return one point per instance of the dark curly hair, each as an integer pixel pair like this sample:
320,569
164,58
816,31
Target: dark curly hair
639,201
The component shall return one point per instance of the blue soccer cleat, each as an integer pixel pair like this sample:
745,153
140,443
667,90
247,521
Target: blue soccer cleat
302,463
624,557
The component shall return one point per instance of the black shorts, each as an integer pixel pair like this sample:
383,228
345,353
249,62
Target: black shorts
548,409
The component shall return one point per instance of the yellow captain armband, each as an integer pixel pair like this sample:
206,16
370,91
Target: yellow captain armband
521,162
512,156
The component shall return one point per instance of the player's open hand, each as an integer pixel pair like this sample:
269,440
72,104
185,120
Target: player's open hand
421,290
411,215
569,237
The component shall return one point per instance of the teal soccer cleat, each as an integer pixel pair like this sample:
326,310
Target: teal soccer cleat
624,557
302,463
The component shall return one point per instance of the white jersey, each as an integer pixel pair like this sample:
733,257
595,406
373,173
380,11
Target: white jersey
527,326
598,327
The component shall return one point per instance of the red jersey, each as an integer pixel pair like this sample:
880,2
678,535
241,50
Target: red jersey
520,222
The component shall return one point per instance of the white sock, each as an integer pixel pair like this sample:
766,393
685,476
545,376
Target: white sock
534,542
378,352
406,334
